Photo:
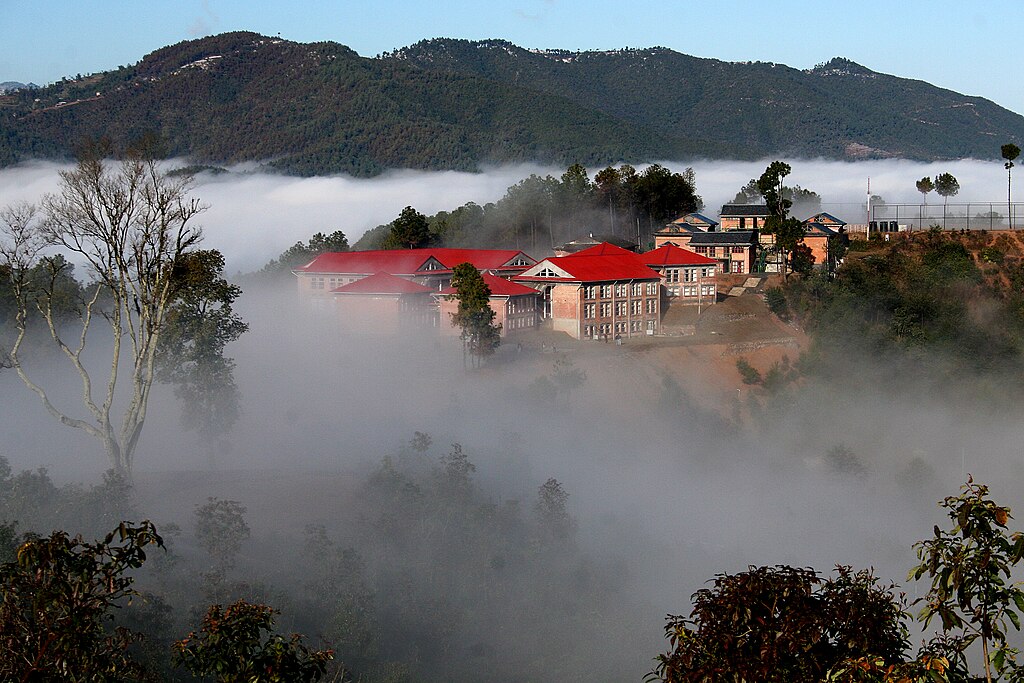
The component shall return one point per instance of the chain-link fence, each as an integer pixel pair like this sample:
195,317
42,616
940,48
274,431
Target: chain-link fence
969,216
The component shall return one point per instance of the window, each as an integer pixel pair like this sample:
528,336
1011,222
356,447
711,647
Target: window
690,290
672,275
606,291
702,250
606,329
635,326
590,291
689,275
606,309
737,266
317,283
638,288
588,331
652,304
620,308
621,290
589,310
707,290
638,306
519,261
738,250
433,265
620,328
651,325
652,288
672,291
547,272
707,272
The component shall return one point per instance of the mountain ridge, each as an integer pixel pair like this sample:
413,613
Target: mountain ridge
318,108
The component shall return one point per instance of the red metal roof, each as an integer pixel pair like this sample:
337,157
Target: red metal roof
671,255
603,249
410,261
594,269
499,287
382,283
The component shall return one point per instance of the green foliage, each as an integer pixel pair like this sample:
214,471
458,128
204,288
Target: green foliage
924,186
320,108
237,643
555,524
221,530
946,185
409,231
970,568
56,603
748,373
474,316
777,303
200,323
302,253
782,624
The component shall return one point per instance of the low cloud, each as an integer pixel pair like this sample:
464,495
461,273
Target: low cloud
253,216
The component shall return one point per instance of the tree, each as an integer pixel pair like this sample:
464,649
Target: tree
782,624
221,529
946,185
57,601
301,253
554,522
748,194
970,569
1010,152
409,231
130,225
788,232
237,643
924,186
474,316
200,323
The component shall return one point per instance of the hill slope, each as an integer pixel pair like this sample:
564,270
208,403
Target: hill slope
450,104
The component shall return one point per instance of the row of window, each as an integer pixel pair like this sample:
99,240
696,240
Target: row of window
691,290
621,290
604,330
521,304
622,308
517,323
713,251
687,274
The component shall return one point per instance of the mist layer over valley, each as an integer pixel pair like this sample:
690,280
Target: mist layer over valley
441,558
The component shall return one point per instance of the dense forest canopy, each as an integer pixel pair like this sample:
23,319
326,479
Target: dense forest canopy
320,108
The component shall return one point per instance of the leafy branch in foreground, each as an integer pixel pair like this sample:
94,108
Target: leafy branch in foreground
970,567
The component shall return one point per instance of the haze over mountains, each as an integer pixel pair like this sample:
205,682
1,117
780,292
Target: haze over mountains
320,108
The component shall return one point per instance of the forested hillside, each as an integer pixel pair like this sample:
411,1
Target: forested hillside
453,104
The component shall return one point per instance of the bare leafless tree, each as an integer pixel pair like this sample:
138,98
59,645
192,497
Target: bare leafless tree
128,222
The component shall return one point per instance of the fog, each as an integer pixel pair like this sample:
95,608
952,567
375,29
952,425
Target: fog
665,491
254,216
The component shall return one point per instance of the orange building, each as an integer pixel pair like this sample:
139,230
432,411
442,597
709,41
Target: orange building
603,294
687,277
515,306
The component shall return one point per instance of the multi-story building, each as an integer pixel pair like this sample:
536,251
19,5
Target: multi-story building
743,216
686,277
515,306
597,296
734,250
679,231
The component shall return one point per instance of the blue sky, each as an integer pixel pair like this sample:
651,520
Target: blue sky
968,47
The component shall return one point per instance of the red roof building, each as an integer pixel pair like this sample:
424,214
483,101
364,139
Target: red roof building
590,296
515,306
686,276
383,303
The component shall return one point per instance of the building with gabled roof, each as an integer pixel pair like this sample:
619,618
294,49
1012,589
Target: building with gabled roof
818,229
515,306
679,231
429,267
578,245
597,296
735,250
687,277
604,249
383,303
743,216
